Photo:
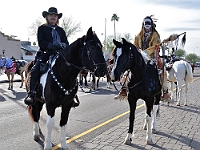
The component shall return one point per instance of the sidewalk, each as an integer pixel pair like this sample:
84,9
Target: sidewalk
4,78
178,128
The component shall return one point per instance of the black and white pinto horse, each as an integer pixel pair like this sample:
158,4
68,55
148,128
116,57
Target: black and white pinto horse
144,83
179,72
59,83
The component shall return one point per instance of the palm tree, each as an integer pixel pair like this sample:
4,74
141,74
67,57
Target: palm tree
114,18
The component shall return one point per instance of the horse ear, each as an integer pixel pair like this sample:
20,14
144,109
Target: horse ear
124,40
118,44
89,32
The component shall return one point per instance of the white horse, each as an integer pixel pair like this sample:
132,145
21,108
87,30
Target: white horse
181,72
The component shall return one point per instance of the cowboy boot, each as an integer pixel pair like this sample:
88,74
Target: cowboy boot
33,81
122,94
76,102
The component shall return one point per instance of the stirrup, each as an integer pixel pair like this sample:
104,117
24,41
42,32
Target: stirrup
77,102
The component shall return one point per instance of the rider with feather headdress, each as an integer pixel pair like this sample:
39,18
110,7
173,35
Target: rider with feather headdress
148,40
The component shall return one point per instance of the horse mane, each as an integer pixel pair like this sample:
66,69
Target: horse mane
139,56
29,66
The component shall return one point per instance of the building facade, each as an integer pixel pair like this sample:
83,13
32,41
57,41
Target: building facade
10,46
28,51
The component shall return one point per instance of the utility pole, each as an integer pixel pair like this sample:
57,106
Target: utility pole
105,40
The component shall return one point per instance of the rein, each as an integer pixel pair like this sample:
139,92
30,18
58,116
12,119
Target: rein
68,92
136,84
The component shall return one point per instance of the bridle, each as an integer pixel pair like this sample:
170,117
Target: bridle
67,92
89,56
129,71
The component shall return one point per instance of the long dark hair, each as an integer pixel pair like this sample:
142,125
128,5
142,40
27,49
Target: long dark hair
152,24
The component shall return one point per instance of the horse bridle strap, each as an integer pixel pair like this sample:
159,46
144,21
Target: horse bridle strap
90,56
67,92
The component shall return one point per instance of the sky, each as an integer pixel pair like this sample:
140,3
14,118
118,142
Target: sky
174,17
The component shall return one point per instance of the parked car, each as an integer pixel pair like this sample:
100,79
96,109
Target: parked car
197,64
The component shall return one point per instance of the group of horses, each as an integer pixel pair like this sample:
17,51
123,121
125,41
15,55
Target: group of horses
59,85
12,66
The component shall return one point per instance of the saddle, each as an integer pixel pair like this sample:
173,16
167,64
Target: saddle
44,67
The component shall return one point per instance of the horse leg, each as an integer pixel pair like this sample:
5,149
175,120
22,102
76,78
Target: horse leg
132,105
179,84
149,107
64,118
50,125
81,80
98,82
155,111
171,92
22,78
186,90
85,78
145,121
34,113
108,80
12,78
9,86
93,81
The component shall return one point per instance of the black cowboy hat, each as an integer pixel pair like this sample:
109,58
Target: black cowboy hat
52,10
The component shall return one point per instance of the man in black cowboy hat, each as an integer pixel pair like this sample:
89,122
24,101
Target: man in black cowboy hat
51,38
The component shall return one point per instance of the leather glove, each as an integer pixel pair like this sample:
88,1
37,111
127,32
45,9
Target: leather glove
64,45
57,45
51,47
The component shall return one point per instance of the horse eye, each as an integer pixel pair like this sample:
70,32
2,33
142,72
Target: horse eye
93,48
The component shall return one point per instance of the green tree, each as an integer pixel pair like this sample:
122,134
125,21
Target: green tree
114,18
109,42
193,58
180,53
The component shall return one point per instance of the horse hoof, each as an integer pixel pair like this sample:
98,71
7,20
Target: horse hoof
149,142
20,87
36,137
154,131
128,142
145,127
178,104
185,104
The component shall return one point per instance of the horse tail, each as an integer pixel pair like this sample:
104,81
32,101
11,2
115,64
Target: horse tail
189,74
30,113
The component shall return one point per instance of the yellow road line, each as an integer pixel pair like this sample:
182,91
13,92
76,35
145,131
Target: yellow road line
96,127
100,125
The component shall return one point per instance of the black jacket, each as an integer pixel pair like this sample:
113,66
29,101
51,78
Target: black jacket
44,36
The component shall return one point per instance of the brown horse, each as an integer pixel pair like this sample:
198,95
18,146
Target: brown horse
12,67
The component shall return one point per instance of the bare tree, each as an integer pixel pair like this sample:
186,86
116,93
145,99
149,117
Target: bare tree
128,37
34,26
70,27
67,23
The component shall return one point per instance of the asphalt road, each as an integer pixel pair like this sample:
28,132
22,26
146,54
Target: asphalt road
95,108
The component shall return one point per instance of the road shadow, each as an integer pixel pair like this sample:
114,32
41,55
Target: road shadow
2,99
190,108
183,139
